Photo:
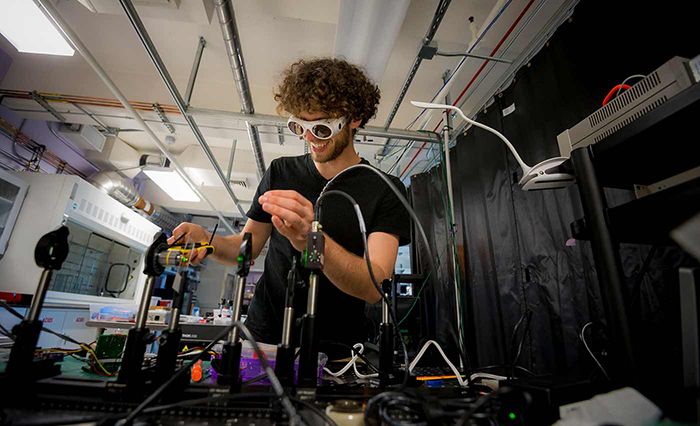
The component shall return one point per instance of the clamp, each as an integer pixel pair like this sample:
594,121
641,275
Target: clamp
50,253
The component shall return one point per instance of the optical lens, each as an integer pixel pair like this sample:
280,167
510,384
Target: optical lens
295,128
322,131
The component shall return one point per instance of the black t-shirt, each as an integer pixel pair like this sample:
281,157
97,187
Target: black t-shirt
340,317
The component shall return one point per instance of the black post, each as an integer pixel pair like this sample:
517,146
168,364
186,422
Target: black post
50,252
608,266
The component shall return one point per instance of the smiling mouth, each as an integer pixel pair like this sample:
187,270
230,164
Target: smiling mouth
318,146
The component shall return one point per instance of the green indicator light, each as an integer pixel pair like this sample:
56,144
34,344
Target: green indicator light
184,259
511,416
240,258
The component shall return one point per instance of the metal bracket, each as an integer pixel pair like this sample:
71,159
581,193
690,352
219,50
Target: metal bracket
163,118
280,134
40,100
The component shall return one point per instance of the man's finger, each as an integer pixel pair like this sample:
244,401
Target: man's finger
289,204
292,218
292,195
178,232
281,227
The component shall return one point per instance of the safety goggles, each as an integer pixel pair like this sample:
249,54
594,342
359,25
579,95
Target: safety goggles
321,129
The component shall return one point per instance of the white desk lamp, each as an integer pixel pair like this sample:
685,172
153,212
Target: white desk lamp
535,177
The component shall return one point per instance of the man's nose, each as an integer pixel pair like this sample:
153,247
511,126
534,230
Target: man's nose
309,137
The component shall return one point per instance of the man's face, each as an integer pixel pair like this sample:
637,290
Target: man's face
325,150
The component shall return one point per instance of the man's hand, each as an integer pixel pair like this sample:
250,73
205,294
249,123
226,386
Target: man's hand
192,234
292,215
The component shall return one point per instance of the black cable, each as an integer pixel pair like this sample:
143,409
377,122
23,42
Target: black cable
354,350
6,333
363,232
277,387
406,205
527,315
410,211
503,366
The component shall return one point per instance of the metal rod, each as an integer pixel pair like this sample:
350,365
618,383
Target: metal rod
313,293
195,69
136,22
287,326
230,160
62,26
451,237
237,307
179,289
38,301
473,55
385,311
91,115
142,314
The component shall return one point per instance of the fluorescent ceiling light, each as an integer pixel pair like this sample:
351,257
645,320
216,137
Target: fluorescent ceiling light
172,183
26,27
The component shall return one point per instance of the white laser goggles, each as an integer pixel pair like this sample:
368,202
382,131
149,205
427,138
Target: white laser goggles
321,129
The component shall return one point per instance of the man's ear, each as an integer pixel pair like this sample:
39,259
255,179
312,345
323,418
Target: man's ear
355,124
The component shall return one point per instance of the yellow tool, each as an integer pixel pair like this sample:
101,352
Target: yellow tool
182,251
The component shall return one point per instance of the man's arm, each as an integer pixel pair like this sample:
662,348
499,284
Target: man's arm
349,272
225,248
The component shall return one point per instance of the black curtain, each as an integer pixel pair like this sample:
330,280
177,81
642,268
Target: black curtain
515,247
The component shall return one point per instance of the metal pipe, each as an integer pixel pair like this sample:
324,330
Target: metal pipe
136,22
230,160
287,326
254,137
432,30
142,314
451,237
232,41
237,307
38,301
62,26
195,69
385,311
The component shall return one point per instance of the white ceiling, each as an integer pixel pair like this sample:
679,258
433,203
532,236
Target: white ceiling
274,33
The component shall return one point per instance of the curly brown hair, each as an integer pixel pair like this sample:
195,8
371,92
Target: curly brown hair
329,85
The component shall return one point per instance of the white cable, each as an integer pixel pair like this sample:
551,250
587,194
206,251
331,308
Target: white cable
583,339
626,80
350,363
520,161
461,381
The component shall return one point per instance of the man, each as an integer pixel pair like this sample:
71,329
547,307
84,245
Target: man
328,99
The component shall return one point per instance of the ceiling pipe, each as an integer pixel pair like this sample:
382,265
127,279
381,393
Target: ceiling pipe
123,191
432,30
232,41
255,119
175,93
62,26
